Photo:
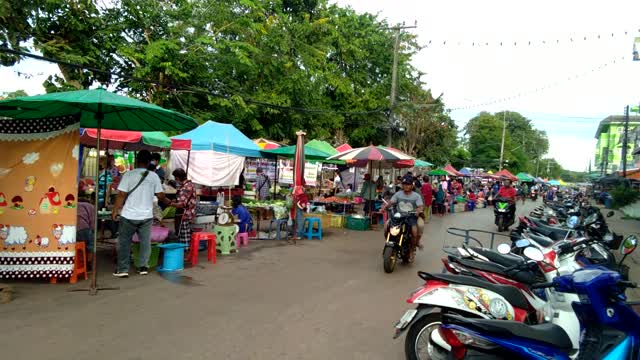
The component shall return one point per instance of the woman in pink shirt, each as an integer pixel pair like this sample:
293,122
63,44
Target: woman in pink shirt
427,196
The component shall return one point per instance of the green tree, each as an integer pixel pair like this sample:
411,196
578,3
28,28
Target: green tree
13,94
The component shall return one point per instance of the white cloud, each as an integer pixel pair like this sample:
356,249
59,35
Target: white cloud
56,169
76,152
572,152
30,158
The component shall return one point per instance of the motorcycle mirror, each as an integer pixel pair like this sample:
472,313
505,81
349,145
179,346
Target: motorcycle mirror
572,222
610,213
523,243
533,253
629,245
504,249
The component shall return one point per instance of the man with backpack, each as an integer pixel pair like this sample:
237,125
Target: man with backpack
263,185
137,189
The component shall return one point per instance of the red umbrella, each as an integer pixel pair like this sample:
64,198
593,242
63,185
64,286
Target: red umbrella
298,175
343,148
451,170
507,174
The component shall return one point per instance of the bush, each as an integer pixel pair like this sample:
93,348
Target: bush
623,196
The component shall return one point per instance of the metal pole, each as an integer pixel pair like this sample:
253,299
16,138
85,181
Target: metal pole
504,129
625,142
394,79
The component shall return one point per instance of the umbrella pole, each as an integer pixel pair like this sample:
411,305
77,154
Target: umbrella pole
93,287
188,158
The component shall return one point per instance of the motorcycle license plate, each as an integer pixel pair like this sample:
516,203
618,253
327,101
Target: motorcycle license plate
406,319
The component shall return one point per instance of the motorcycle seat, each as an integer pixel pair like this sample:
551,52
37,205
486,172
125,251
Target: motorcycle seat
542,240
520,275
506,260
553,232
547,333
510,293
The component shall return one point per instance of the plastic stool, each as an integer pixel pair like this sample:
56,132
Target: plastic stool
310,231
196,237
226,238
80,263
279,225
376,216
242,238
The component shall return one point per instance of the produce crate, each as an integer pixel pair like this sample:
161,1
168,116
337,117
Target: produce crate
325,219
336,221
360,224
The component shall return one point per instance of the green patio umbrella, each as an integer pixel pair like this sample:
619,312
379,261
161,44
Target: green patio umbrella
438,172
322,146
289,152
98,109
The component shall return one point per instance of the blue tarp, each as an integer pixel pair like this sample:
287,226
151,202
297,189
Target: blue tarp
465,171
221,137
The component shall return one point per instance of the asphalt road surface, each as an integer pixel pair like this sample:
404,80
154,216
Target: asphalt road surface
326,299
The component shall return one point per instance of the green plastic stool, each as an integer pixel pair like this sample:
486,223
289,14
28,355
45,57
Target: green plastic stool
153,258
226,239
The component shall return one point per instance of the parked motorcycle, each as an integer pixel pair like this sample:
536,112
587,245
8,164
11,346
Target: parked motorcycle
610,325
398,240
503,215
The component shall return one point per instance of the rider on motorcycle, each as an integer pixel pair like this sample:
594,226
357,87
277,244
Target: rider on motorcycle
408,201
508,192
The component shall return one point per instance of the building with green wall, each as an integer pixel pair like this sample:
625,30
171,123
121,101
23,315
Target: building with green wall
610,136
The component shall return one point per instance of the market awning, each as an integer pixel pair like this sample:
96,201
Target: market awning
220,137
466,172
525,177
506,173
438,172
344,147
179,144
289,152
126,140
322,146
451,170
265,144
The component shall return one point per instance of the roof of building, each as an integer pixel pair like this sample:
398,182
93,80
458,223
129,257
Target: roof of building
615,119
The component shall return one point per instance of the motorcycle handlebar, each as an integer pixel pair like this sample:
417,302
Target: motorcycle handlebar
627,284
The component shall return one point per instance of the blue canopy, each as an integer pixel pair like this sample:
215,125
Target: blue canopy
465,171
221,137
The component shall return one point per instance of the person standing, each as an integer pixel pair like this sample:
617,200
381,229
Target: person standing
427,195
338,186
263,185
368,193
85,224
154,165
440,199
186,205
302,202
135,198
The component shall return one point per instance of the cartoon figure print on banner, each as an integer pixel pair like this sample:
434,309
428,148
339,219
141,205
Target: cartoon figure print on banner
50,203
38,180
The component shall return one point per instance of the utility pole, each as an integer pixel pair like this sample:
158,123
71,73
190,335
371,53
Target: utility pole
625,142
394,78
504,129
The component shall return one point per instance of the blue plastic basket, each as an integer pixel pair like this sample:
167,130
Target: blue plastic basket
173,259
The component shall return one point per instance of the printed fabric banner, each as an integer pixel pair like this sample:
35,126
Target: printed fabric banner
38,194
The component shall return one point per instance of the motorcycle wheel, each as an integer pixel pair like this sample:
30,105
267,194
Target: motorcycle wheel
417,343
389,259
501,224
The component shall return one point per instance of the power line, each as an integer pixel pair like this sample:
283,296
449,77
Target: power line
190,88
542,88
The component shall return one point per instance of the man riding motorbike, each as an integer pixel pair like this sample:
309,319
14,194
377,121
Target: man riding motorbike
408,201
508,192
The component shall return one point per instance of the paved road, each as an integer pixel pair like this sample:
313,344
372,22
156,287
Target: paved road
325,299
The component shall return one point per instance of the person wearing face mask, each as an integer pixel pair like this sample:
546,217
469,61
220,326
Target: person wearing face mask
186,205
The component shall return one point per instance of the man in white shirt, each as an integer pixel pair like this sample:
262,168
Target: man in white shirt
137,189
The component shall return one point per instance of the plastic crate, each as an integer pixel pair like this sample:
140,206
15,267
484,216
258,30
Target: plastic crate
336,221
153,258
360,224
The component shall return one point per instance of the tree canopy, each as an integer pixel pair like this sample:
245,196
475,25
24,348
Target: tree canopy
270,67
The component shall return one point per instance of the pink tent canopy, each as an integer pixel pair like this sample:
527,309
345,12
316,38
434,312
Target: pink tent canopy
451,170
507,174
343,148
179,144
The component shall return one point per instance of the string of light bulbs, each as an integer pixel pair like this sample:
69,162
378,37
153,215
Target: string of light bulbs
601,67
433,43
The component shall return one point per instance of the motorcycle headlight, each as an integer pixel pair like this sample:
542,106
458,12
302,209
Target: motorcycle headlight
395,230
498,308
397,215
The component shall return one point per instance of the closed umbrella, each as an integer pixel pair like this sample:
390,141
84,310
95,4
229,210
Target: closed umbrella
298,175
98,109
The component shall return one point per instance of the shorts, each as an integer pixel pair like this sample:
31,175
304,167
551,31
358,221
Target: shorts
412,220
86,236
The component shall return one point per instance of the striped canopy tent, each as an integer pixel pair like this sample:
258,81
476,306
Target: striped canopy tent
126,140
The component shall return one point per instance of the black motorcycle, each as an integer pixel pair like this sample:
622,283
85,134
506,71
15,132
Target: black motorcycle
503,215
398,240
